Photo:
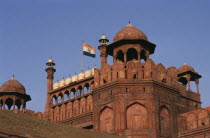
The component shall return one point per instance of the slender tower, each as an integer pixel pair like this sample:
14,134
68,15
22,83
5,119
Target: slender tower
50,76
103,51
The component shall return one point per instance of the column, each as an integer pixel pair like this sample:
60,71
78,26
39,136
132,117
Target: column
125,57
188,82
197,85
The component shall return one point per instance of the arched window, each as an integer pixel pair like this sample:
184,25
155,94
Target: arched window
86,88
54,100
72,93
18,104
132,54
9,103
120,56
66,95
79,91
60,98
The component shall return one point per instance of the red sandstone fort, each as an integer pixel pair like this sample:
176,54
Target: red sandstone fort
134,97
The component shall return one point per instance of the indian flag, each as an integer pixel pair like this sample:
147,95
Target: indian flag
89,50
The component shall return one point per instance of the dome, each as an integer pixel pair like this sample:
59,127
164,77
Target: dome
56,85
50,61
13,86
103,37
81,76
185,68
68,80
88,73
62,83
129,32
74,78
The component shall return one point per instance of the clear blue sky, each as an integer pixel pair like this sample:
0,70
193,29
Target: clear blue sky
32,31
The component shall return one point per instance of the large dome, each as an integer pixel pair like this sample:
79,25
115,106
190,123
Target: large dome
12,86
129,32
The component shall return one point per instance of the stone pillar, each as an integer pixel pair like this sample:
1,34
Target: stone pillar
125,57
188,82
197,85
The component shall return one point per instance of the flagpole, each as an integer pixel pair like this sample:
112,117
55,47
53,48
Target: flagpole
82,58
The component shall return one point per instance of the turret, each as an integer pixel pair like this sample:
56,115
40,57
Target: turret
50,76
102,48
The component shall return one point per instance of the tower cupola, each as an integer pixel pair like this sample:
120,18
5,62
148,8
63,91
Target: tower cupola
104,40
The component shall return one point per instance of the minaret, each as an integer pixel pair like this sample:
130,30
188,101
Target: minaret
50,76
102,48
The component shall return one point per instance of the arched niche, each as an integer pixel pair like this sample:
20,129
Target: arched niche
107,120
164,120
137,117
191,121
203,118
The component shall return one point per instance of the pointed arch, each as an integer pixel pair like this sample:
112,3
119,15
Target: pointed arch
9,103
66,95
191,121
136,116
120,55
60,98
164,120
131,54
107,120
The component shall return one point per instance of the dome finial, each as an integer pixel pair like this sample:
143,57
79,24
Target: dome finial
185,63
103,39
129,23
50,63
13,77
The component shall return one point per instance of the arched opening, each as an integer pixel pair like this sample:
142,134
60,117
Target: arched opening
60,98
79,91
66,95
143,57
72,93
54,100
164,121
120,56
9,103
86,88
132,54
107,120
137,117
18,103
